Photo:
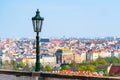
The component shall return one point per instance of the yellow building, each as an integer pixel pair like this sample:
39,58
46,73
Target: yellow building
68,56
29,61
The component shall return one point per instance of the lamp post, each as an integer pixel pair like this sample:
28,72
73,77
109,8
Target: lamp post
37,26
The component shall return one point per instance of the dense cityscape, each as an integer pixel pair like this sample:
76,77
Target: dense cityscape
61,55
60,40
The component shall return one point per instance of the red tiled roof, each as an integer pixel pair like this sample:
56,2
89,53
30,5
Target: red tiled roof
56,41
115,70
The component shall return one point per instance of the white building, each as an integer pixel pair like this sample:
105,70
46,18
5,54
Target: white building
48,60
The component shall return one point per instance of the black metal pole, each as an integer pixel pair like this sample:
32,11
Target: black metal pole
37,67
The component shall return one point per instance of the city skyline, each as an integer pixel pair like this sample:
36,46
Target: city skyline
78,18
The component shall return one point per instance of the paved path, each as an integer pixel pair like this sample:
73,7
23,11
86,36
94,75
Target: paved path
11,77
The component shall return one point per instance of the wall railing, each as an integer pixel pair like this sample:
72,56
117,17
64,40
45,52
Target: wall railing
22,75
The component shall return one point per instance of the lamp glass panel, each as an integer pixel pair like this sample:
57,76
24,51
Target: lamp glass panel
34,25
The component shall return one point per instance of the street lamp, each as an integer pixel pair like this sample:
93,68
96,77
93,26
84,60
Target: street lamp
37,26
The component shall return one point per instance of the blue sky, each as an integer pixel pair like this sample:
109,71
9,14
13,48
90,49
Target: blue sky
69,18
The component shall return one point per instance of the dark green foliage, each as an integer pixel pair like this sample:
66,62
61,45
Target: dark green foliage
65,67
100,62
48,68
14,65
91,68
113,60
21,64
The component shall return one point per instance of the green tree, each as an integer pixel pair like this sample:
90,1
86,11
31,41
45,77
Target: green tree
100,62
26,67
10,65
21,64
91,68
115,60
82,68
14,64
48,68
65,67
112,60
